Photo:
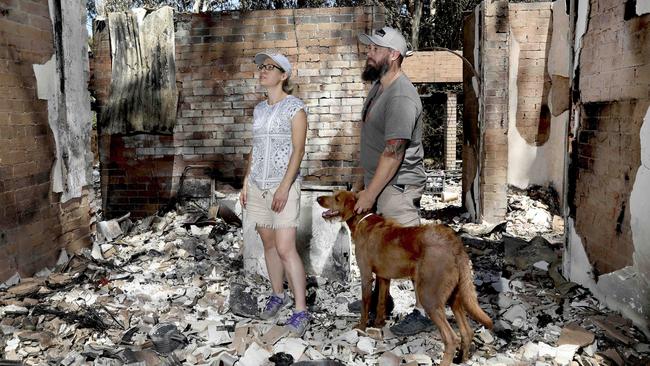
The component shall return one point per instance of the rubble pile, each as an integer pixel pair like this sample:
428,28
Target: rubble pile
533,212
132,297
442,189
170,290
542,319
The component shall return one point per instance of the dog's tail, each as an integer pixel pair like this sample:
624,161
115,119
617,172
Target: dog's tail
467,292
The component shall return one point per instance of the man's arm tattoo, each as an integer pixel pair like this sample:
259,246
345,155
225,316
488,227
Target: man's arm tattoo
395,148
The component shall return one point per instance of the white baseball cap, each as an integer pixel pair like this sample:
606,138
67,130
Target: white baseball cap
279,58
387,37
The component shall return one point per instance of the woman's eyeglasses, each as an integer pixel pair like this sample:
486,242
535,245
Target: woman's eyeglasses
269,67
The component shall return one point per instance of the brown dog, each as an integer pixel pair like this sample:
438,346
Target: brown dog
431,255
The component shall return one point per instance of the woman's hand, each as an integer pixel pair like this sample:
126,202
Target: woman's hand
280,199
243,195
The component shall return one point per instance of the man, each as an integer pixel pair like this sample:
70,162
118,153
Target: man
391,147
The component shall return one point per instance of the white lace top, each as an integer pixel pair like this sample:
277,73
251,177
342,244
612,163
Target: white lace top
272,141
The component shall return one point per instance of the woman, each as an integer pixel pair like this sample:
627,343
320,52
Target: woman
271,192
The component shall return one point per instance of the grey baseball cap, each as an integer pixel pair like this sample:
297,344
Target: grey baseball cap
279,58
386,37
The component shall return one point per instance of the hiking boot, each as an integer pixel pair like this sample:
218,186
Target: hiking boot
412,324
274,304
298,323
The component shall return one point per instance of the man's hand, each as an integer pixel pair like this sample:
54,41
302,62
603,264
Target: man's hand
280,199
365,201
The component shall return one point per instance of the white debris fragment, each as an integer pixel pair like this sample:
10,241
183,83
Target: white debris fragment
293,346
389,359
13,309
516,285
543,265
12,344
546,350
63,258
565,354
501,285
530,351
505,301
418,359
516,315
254,356
43,273
109,229
218,337
351,337
96,252
73,358
591,349
7,329
200,232
342,310
502,360
366,345
539,217
578,304
13,280
214,275
486,336
204,351
226,359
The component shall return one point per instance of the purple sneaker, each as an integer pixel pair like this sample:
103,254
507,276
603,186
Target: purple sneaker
298,323
274,304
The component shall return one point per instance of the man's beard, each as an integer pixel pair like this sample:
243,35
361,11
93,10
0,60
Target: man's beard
373,73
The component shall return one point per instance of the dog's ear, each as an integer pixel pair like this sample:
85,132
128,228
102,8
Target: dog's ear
350,200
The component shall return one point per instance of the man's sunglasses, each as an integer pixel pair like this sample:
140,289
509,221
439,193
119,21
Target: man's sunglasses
269,67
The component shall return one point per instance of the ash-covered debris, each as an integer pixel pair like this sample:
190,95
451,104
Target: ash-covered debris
534,212
170,290
442,189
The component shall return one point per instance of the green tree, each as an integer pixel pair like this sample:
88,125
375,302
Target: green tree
446,29
178,5
426,23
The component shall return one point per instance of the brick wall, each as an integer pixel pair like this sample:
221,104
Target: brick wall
530,25
513,43
608,151
433,67
218,89
613,88
451,124
615,57
100,65
495,140
34,225
139,180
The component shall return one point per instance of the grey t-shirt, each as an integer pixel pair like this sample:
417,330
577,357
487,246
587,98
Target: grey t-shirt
395,113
